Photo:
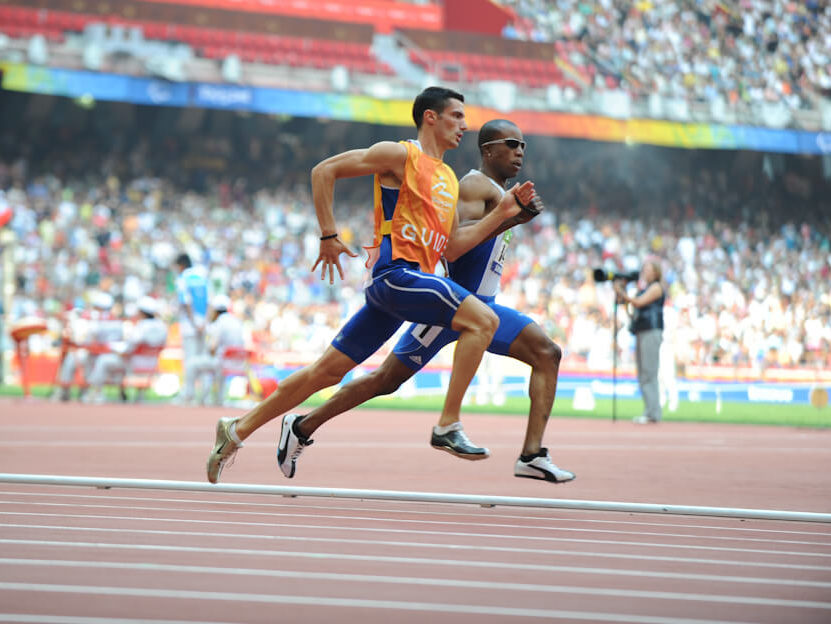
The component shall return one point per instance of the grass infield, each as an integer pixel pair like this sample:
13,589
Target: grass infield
625,409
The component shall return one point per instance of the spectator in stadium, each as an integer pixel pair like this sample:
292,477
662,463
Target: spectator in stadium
85,336
113,367
192,294
412,230
724,221
224,330
647,325
502,149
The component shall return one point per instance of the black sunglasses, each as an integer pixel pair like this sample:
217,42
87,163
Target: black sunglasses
511,143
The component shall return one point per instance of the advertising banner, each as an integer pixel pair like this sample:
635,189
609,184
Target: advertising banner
361,108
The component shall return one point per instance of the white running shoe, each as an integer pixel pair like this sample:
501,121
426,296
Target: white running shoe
290,445
643,419
540,466
224,449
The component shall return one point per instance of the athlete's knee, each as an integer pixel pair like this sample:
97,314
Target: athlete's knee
474,316
546,355
487,324
554,353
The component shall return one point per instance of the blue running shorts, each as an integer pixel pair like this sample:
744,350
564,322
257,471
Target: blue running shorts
396,294
421,342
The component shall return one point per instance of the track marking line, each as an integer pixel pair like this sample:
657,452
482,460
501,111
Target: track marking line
323,601
25,618
489,525
422,545
530,515
410,580
569,540
419,561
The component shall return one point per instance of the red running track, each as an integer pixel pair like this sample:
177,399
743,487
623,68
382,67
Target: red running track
86,555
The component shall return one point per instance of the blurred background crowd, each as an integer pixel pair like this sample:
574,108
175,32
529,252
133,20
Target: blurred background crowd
751,50
744,238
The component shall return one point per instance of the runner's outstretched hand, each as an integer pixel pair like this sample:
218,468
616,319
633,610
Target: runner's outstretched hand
329,258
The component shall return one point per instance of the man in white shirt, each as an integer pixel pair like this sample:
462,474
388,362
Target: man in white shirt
113,367
86,334
225,330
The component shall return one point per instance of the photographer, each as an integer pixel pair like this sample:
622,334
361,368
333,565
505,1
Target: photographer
647,325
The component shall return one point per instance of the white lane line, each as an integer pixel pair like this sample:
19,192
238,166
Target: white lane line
25,618
86,430
322,601
573,515
489,525
622,446
97,546
747,433
411,580
423,545
568,540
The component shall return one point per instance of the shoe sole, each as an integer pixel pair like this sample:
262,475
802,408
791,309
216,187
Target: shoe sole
284,434
467,456
549,479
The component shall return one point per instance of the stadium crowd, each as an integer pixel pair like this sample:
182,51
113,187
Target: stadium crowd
751,50
744,239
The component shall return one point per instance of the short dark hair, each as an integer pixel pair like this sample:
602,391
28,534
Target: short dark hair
434,99
494,129
183,260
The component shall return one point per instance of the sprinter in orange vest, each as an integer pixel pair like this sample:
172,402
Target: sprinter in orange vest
415,225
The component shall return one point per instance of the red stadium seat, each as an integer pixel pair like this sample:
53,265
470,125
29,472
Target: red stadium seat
154,30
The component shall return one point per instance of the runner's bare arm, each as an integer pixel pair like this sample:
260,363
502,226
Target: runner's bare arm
475,193
465,238
386,159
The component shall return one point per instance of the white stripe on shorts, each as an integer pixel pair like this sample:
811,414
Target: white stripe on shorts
453,301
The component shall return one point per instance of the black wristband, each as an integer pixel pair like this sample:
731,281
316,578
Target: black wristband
527,208
329,236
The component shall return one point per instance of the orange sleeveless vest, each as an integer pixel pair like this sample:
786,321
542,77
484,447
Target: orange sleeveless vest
423,217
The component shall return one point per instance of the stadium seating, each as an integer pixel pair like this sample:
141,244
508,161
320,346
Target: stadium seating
213,43
218,43
142,369
472,67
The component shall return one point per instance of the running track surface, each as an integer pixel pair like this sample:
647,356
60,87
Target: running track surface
82,555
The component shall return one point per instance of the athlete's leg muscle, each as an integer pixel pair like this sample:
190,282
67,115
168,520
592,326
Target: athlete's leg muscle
476,324
534,348
327,371
385,379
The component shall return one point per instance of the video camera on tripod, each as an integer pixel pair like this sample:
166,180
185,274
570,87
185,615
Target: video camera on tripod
602,275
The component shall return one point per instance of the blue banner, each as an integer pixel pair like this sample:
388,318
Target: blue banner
158,92
431,382
222,96
349,107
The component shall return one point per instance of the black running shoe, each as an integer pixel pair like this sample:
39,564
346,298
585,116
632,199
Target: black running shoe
457,443
290,445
